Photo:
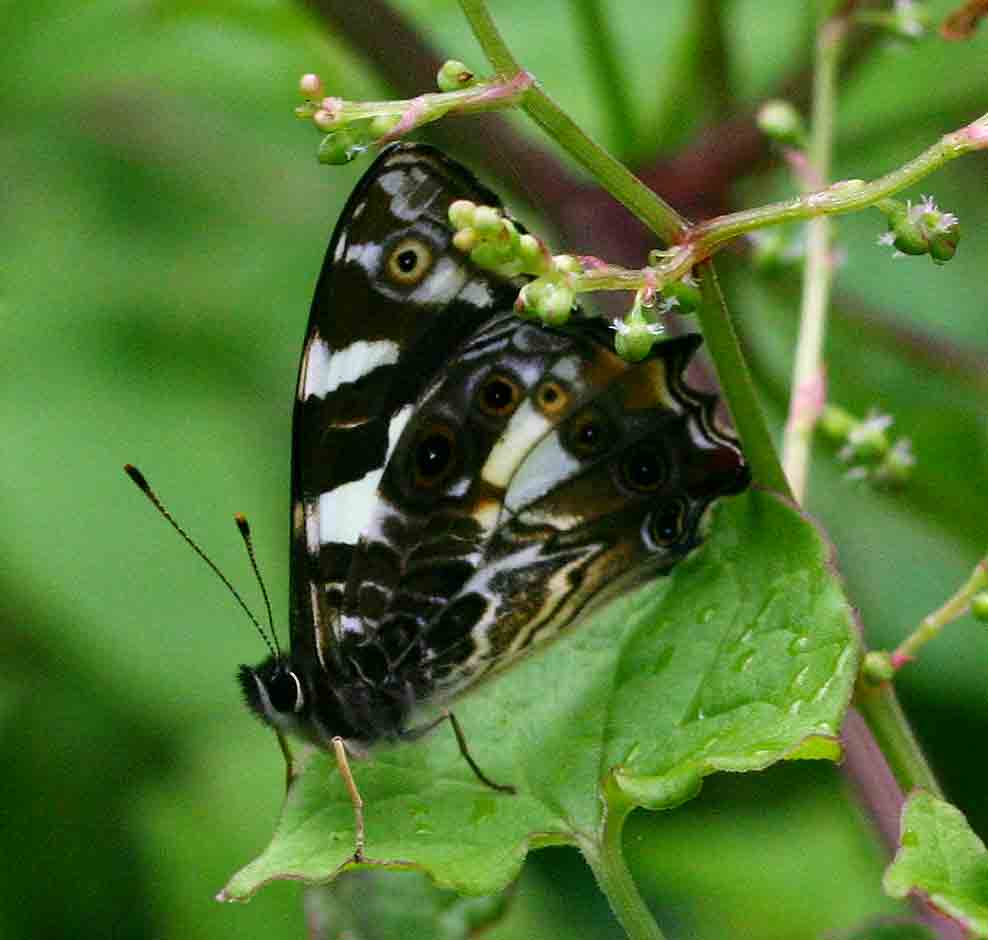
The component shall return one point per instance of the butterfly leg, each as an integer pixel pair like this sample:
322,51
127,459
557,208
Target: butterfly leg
461,741
339,749
291,771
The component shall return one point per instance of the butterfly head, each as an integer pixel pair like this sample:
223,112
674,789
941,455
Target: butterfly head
276,692
280,694
317,706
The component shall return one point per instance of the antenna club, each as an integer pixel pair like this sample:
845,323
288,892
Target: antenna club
272,642
242,523
137,477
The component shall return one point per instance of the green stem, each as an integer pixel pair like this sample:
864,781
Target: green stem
933,624
701,241
843,196
738,388
890,728
807,392
609,172
606,860
489,36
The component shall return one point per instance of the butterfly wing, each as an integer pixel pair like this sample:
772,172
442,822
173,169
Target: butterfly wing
432,520
613,491
392,301
563,463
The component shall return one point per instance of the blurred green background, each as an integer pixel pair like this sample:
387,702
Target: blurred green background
162,221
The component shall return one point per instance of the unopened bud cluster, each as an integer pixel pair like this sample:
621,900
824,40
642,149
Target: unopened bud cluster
877,667
353,126
642,327
349,127
920,229
495,243
867,448
454,76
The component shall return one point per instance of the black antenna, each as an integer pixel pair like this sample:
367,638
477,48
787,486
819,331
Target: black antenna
244,528
145,488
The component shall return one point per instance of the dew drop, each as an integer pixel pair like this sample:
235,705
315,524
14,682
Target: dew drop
800,678
800,645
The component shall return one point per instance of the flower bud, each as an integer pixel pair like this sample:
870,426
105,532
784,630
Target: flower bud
783,123
461,213
837,423
465,240
877,667
635,334
921,229
909,238
944,244
867,440
897,467
549,300
311,86
487,221
567,264
453,76
485,255
325,120
339,147
532,254
868,443
979,606
686,294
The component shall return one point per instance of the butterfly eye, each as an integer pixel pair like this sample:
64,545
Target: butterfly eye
433,456
498,395
588,435
642,469
285,692
409,261
667,524
551,398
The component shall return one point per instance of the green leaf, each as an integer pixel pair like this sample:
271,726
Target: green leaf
941,857
373,905
745,655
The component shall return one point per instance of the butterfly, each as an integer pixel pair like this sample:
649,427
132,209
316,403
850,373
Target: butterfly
465,483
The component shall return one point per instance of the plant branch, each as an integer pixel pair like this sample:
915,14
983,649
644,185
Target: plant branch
932,625
808,387
740,390
701,241
846,195
660,217
605,856
487,34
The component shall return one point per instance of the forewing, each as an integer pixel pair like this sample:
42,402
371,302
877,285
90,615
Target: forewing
392,301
